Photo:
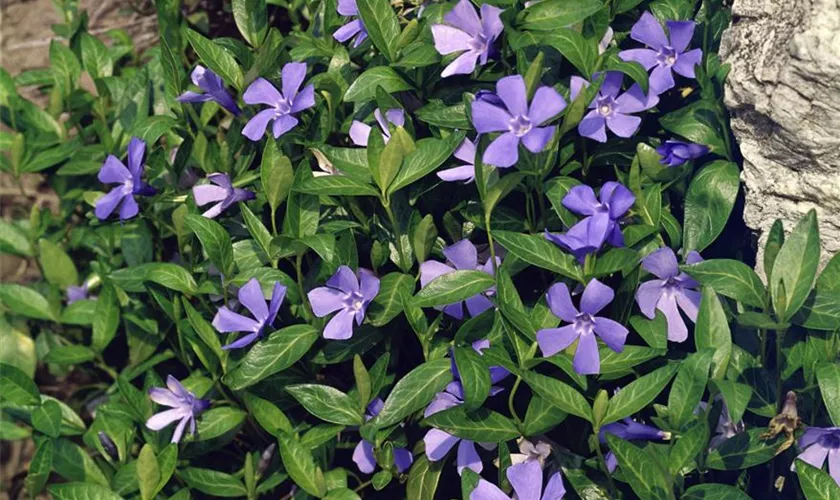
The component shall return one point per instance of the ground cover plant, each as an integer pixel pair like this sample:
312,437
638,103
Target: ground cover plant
361,249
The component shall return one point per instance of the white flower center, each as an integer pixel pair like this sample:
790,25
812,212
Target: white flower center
520,125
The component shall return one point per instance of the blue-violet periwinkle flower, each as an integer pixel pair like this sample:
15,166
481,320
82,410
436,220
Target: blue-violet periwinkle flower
629,430
360,132
584,238
613,202
214,90
220,191
363,453
820,444
130,182
77,293
282,106
348,293
466,153
527,481
610,110
251,296
467,34
185,407
461,256
354,28
675,153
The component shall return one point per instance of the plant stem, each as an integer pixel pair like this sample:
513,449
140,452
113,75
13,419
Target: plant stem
510,400
397,233
490,241
299,274
603,462
780,339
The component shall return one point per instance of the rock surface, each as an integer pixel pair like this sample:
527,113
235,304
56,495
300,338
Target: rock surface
783,93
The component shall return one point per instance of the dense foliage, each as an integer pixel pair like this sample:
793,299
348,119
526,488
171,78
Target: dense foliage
332,254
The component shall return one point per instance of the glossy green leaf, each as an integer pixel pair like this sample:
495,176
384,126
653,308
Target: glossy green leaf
708,203
639,393
712,332
327,403
795,267
479,425
413,392
453,287
277,352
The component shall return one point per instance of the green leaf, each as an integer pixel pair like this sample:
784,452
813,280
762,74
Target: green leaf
549,15
556,189
46,418
388,303
640,469
688,446
559,394
828,377
742,451
816,484
81,491
276,175
212,482
382,26
364,87
26,302
714,491
106,319
615,260
170,276
52,157
218,422
204,330
58,267
413,392
69,355
39,468
251,18
65,67
18,388
580,51
475,377
439,114
730,278
151,128
303,211
95,58
736,396
300,465
335,185
363,383
276,353
712,332
536,250
708,203
480,425
270,417
689,386
73,463
821,311
148,472
698,123
775,240
796,267
630,68
541,416
215,240
327,403
257,229
217,58
453,287
654,332
423,479
430,154
639,393
13,240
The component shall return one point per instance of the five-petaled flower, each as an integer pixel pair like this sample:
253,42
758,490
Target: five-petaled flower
220,191
214,90
438,443
461,256
583,327
665,53
584,238
360,132
250,296
355,27
675,153
363,453
610,110
516,120
185,407
613,202
348,293
820,444
283,105
673,288
466,172
527,481
130,182
467,34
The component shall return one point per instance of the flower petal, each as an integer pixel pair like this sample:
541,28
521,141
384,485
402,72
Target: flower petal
364,458
689,302
442,401
661,79
554,490
680,34
511,89
292,76
635,100
261,91
463,255
537,138
129,208
368,284
255,128
554,340
463,173
326,300
677,331
560,302
648,295
686,62
491,21
227,321
243,341
251,296
618,197
347,8
464,16
593,126
613,333
347,31
403,459
160,420
359,133
179,430
208,193
136,150
623,125
278,293
645,57
814,455
477,304
468,457
648,31
462,65
165,397
283,124
662,263
596,296
438,444
448,39
340,327
503,152
489,118
526,479
304,100
486,490
345,280
106,204
113,171
546,104
587,360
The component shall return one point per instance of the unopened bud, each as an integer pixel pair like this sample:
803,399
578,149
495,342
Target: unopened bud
109,446
265,459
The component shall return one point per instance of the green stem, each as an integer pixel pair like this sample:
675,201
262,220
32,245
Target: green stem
510,401
299,274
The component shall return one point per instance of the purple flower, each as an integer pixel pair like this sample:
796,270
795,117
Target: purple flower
76,293
354,27
282,105
363,453
466,172
820,443
461,256
130,183
349,294
222,191
438,443
584,238
725,428
527,481
675,153
250,296
359,132
615,201
516,120
185,407
214,89
673,288
467,34
610,109
629,430
665,53
583,327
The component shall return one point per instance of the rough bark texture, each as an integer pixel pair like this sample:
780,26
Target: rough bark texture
784,96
